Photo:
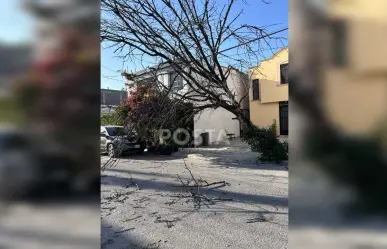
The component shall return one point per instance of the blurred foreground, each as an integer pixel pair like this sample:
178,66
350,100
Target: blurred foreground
338,95
49,121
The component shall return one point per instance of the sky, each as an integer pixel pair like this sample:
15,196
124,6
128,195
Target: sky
255,13
15,23
16,26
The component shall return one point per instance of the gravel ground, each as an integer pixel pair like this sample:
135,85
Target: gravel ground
142,209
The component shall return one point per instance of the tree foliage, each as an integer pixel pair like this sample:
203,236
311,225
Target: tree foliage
266,142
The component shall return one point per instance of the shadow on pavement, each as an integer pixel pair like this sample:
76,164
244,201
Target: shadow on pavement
48,238
113,237
277,201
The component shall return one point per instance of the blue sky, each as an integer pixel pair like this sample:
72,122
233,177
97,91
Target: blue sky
255,13
15,24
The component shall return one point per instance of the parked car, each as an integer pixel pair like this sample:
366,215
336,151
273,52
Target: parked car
118,140
26,170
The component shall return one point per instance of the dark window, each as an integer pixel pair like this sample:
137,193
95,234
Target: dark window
255,89
116,131
176,81
284,73
284,118
339,43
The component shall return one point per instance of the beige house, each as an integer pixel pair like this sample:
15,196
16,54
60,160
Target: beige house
269,92
355,68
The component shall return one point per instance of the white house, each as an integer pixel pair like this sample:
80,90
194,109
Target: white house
216,122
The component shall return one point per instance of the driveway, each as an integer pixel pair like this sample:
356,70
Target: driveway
145,206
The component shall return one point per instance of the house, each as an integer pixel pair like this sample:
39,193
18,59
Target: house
214,123
110,99
269,92
15,61
355,69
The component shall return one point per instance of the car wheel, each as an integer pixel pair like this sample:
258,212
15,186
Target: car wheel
112,152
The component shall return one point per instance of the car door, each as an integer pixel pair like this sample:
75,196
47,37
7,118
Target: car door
103,140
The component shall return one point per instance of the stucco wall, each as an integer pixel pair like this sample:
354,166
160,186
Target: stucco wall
355,106
220,120
354,96
359,10
273,91
266,109
263,114
270,69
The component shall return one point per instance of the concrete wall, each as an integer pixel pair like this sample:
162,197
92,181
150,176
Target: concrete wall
266,109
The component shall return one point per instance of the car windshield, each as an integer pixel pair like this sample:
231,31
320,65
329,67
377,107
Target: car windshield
117,131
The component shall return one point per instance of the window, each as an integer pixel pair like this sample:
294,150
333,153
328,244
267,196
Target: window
284,73
284,118
339,54
117,131
176,81
255,89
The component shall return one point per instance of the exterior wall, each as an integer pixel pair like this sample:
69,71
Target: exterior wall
219,120
362,107
113,97
266,109
269,69
273,91
264,114
359,10
364,79
238,83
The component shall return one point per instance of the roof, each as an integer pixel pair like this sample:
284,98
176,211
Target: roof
149,69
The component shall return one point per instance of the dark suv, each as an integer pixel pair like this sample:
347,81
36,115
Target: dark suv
117,140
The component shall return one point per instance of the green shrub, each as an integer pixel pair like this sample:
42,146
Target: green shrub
265,141
286,146
110,119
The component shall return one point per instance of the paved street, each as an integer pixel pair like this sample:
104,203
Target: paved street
140,208
49,226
